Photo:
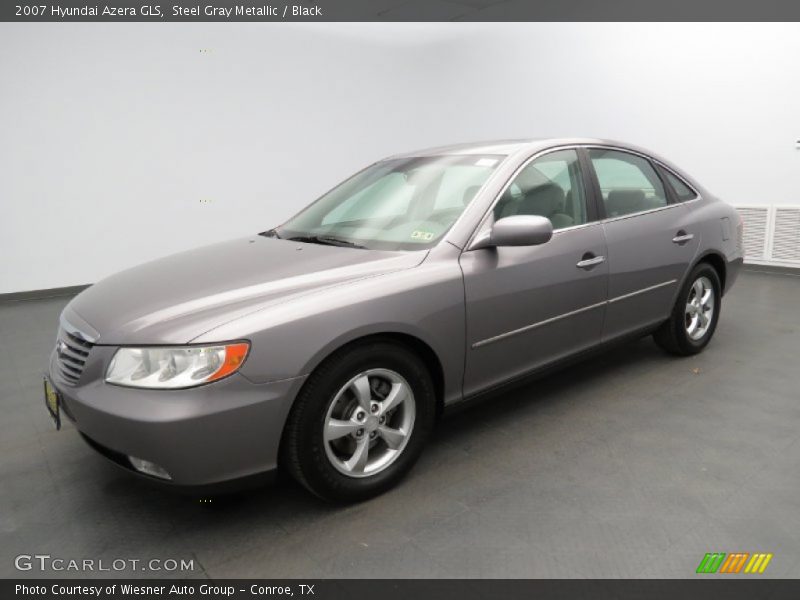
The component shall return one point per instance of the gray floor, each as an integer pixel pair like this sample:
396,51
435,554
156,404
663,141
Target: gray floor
633,464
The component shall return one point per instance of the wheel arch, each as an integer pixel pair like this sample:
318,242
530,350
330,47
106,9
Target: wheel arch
717,262
419,347
411,342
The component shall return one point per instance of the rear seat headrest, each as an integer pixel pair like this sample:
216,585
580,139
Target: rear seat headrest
621,202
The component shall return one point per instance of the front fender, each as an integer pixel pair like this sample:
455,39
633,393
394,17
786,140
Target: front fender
292,338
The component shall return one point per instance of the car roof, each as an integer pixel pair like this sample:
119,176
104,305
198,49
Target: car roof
528,146
512,146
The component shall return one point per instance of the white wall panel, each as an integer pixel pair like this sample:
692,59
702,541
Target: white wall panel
121,143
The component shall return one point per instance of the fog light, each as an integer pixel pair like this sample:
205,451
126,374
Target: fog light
148,468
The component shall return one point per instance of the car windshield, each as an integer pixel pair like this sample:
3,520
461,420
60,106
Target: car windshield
396,204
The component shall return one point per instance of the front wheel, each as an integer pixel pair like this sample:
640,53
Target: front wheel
360,422
695,314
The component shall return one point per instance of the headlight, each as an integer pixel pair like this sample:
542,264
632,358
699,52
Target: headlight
175,367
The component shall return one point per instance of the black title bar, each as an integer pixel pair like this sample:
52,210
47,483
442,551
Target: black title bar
116,11
702,587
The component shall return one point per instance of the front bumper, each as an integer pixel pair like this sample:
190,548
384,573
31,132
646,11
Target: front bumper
203,436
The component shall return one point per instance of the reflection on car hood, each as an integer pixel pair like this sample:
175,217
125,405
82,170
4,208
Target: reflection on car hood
175,299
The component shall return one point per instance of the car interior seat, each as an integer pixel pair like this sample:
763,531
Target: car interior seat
547,201
469,193
622,202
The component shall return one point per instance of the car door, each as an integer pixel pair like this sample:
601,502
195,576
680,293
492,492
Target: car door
650,238
530,306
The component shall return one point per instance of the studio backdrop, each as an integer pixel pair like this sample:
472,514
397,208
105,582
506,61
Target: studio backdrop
128,142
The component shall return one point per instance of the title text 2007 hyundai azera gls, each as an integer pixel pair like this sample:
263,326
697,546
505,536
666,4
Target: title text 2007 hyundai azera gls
329,345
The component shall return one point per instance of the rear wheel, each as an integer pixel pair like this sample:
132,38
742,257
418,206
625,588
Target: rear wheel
695,314
360,422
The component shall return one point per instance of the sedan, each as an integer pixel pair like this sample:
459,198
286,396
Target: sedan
328,346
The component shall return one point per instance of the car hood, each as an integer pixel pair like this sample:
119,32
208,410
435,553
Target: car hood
177,298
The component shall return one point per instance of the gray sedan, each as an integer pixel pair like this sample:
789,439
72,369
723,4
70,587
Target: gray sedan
329,345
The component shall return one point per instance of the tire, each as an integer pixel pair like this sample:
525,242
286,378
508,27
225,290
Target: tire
324,448
676,335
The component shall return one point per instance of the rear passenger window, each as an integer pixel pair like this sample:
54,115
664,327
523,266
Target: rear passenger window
629,183
681,189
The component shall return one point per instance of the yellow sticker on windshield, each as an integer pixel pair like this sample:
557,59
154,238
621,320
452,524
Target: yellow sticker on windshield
421,235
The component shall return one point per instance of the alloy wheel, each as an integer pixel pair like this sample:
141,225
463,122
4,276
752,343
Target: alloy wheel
369,422
699,308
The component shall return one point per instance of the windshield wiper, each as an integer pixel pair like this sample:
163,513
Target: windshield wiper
327,240
273,233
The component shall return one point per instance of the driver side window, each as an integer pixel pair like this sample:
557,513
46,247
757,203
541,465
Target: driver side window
551,186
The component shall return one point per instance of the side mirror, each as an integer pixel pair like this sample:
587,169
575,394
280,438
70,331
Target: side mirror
519,230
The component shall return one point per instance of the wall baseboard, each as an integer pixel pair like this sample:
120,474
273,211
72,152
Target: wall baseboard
774,269
42,294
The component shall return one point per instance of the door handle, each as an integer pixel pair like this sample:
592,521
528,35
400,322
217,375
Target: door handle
682,237
588,261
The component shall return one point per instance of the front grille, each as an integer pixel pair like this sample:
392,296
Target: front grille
71,354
